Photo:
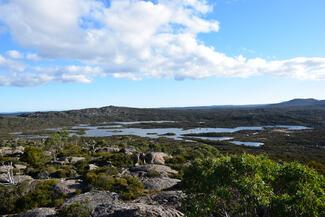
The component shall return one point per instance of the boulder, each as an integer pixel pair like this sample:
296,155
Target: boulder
107,149
40,212
61,161
74,160
128,150
156,158
5,151
43,175
93,199
19,150
159,184
92,167
8,151
6,168
16,178
162,170
68,187
166,198
134,210
20,166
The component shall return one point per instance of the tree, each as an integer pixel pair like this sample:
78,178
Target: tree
248,185
56,142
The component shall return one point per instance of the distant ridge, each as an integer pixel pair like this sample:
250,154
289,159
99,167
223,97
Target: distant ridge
301,103
309,102
294,103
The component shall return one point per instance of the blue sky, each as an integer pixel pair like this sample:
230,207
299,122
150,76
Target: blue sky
186,59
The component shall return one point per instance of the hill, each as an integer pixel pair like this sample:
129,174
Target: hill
307,112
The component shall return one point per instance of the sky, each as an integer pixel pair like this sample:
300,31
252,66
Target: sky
70,54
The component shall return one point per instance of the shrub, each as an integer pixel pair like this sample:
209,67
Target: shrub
70,150
34,156
120,159
8,198
64,172
128,187
247,185
43,195
75,210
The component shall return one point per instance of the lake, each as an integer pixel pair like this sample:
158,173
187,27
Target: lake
123,129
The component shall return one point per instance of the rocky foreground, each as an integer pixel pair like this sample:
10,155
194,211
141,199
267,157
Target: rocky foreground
160,196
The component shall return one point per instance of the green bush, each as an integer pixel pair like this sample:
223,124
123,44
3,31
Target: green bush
64,172
247,185
34,156
76,209
128,187
42,195
71,150
8,198
120,159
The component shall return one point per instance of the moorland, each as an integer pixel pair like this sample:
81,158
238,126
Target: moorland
52,172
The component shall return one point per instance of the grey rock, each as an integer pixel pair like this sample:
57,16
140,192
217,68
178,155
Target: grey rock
128,150
108,149
39,212
8,151
43,175
74,160
161,169
20,166
93,199
166,198
6,168
18,151
67,187
16,178
159,183
156,158
92,167
134,210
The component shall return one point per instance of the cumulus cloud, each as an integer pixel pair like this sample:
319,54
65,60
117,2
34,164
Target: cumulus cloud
131,39
14,54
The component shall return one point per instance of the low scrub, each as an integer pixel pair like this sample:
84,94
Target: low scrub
248,185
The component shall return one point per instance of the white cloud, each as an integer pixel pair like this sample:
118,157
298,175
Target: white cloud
14,54
17,73
33,57
131,39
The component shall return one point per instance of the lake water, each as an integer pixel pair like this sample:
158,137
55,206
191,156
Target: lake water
174,133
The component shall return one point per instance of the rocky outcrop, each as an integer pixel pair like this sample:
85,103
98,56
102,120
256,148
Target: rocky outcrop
20,167
93,199
16,178
74,160
162,170
39,212
8,151
68,187
6,168
159,184
107,149
156,158
92,167
43,175
128,150
134,210
166,198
